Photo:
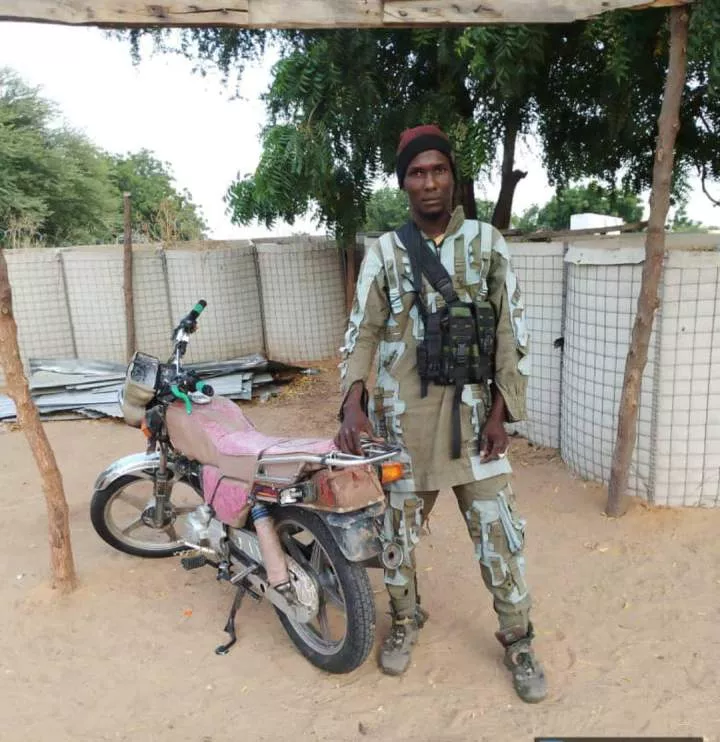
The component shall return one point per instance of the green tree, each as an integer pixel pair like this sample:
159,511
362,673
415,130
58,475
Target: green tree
682,223
601,100
592,198
54,184
508,66
387,209
319,147
155,198
591,91
57,188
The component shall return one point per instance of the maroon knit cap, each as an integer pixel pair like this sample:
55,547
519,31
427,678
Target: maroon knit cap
421,139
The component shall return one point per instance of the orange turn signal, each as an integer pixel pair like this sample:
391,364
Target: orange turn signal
392,471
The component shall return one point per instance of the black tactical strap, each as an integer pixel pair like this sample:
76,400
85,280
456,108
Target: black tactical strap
424,261
456,442
433,345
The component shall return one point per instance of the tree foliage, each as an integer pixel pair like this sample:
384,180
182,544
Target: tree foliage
590,92
387,209
592,198
58,188
336,106
53,183
602,99
155,198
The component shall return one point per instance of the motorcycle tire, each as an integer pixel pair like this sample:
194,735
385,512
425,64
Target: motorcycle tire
349,583
100,518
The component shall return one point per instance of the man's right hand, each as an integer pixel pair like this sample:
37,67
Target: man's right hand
355,425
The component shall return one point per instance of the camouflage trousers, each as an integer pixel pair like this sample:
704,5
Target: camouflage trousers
496,529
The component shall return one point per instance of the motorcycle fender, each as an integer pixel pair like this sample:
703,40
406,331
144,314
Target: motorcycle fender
137,464
356,534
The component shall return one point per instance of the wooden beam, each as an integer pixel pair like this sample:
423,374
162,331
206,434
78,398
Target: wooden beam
315,13
310,13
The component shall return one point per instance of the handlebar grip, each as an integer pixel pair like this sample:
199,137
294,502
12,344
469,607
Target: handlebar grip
189,322
197,310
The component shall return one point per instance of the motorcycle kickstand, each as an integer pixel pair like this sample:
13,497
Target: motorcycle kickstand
223,649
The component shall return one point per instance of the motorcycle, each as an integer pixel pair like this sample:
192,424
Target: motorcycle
295,521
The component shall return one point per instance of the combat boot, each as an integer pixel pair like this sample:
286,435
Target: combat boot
396,650
527,672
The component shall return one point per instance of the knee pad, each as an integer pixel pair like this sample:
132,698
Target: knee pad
499,539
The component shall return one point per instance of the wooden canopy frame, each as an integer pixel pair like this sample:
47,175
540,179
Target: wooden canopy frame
311,13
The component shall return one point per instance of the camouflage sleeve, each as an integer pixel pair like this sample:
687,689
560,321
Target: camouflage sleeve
512,363
369,314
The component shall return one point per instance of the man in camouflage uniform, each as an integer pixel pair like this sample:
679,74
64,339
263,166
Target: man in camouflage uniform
385,319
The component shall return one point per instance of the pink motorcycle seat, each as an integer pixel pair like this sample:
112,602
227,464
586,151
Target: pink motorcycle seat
219,434
255,443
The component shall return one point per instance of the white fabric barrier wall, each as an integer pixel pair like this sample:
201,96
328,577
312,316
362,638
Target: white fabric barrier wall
225,275
40,303
539,267
676,459
303,300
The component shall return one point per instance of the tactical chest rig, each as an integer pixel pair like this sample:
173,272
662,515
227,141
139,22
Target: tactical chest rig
459,342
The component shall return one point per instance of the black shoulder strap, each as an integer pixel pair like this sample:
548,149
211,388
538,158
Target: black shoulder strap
424,261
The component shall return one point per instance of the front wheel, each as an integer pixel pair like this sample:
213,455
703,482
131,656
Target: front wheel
340,638
122,516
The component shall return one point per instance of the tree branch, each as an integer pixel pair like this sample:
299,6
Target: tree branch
703,178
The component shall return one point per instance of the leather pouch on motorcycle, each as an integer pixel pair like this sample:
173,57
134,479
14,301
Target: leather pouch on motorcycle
139,387
347,489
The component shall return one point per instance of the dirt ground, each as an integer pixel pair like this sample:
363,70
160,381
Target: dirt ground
626,611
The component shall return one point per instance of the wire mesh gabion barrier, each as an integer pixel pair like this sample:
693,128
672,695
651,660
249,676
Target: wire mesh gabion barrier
677,453
540,271
303,299
286,298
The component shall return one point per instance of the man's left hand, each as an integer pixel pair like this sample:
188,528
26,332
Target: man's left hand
494,440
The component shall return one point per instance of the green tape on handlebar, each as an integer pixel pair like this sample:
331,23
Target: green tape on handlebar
198,308
200,386
184,397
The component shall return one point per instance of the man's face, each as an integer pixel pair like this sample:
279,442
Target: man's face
429,184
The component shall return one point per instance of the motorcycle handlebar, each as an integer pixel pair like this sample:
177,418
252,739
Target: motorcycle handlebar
189,321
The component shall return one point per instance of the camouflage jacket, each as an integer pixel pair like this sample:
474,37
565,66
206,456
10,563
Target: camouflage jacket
385,327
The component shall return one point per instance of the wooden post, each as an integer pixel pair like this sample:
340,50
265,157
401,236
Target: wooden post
350,277
668,125
128,279
61,556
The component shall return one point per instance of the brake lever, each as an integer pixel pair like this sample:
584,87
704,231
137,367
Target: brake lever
178,394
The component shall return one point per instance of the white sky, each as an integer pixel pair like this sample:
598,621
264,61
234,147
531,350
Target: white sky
190,121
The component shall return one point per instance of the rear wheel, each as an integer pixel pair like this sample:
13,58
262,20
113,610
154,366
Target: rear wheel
122,516
340,638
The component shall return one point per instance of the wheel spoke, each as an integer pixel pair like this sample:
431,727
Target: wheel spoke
132,527
294,549
134,499
333,597
172,533
323,619
323,633
185,510
316,557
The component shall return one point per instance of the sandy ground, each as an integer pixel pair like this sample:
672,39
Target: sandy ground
627,614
